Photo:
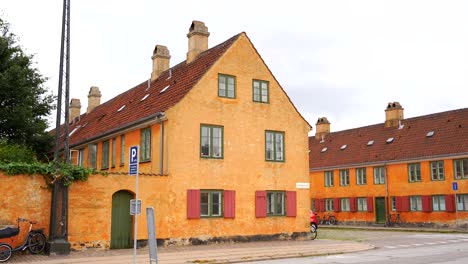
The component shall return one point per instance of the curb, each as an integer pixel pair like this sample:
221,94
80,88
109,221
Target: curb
395,229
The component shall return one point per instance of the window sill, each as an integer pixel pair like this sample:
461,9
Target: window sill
145,161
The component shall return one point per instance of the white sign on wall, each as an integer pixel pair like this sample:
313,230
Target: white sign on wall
302,185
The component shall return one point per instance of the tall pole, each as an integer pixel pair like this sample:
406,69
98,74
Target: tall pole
58,236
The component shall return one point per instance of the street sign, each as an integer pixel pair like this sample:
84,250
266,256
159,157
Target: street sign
135,207
455,186
133,167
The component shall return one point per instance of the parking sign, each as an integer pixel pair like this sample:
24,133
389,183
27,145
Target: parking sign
133,168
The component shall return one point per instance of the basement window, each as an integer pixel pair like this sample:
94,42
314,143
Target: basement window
324,149
370,143
144,97
430,134
390,140
344,147
164,89
121,108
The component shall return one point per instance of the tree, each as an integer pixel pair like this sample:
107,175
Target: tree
24,102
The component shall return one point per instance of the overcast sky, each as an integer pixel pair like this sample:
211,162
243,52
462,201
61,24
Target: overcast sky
341,59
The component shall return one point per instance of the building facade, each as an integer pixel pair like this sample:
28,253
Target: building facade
409,171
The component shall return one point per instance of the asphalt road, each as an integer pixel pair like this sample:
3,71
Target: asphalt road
394,247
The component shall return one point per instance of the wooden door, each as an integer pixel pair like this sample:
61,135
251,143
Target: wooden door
121,225
380,210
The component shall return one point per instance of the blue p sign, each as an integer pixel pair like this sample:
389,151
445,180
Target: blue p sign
455,186
134,155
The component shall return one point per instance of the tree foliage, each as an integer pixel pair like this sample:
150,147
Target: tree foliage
24,101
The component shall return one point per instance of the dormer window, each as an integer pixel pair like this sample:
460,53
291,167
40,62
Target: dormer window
324,149
260,91
121,108
344,147
390,140
370,143
144,97
226,86
430,134
165,89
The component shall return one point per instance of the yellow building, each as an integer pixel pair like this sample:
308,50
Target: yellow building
223,151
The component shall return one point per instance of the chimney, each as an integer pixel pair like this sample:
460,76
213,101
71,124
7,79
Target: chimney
323,128
74,109
160,59
198,40
393,114
94,98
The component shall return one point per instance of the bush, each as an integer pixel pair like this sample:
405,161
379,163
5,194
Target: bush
16,153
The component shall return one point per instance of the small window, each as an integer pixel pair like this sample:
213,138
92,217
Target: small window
415,203
328,178
390,140
122,150
379,175
276,203
361,178
211,203
226,86
362,204
437,170
274,146
393,203
344,147
461,168
114,152
414,172
92,155
370,143
329,205
121,108
324,149
164,89
438,203
462,202
144,97
105,155
345,205
81,157
211,141
145,145
430,134
260,91
344,177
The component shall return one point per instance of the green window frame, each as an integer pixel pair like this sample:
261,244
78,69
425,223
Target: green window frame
437,170
329,180
274,146
211,203
415,203
414,172
462,202
438,203
145,144
211,141
329,205
260,91
460,167
276,203
105,155
361,177
345,204
226,86
92,156
362,204
114,152
81,157
379,175
344,177
122,150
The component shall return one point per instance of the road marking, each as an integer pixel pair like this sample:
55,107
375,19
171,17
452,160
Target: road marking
417,244
453,240
443,242
430,243
390,247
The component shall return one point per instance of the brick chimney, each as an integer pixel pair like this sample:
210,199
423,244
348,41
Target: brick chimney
74,109
197,40
393,114
323,128
94,98
160,59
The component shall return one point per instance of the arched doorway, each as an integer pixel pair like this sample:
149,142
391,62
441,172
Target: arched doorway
121,225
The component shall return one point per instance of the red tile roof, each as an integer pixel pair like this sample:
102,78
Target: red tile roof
106,118
409,142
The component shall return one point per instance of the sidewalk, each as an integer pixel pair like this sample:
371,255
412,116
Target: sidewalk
220,253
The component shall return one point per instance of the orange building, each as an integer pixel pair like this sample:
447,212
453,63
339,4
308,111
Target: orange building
223,151
404,170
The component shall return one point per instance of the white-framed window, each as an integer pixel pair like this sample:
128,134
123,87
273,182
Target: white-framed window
329,205
329,179
393,203
81,157
438,203
461,168
437,170
361,178
415,203
414,172
344,177
362,204
379,175
345,204
462,202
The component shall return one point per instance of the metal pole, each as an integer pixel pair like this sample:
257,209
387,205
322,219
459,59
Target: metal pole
135,219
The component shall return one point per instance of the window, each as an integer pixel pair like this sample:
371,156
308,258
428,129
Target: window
211,141
379,175
210,203
461,168
114,153
92,155
462,202
122,150
226,86
274,146
105,155
329,205
344,177
361,177
438,203
437,170
415,203
328,178
81,157
260,91
362,204
275,203
414,172
145,145
345,204
393,203
313,205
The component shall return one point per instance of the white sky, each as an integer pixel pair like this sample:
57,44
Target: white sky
341,59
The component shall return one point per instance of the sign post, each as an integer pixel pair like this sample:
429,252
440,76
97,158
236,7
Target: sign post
153,249
455,189
133,170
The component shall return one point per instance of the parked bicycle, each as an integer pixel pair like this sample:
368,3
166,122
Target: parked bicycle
327,218
394,219
35,242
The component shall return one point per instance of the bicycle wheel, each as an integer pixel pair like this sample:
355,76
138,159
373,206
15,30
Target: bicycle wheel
37,243
5,252
313,231
332,220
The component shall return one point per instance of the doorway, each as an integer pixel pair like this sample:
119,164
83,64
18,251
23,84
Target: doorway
121,225
380,210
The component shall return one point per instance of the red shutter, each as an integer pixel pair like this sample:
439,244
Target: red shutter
229,204
398,204
370,204
337,204
321,205
450,203
426,203
260,204
193,204
352,204
291,203
405,203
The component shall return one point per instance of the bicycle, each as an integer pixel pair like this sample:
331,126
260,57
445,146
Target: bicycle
394,219
328,218
35,242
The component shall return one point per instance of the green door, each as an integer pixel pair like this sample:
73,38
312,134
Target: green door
380,210
121,226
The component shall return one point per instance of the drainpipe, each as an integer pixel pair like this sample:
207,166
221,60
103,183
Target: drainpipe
387,211
160,116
